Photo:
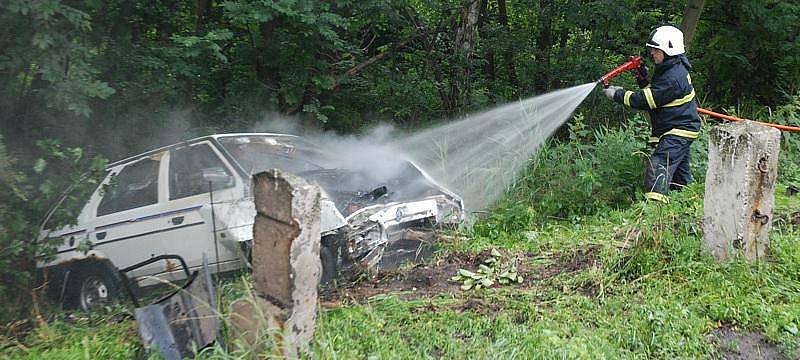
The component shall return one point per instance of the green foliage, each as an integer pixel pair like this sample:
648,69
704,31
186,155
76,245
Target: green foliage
48,59
341,63
494,270
108,75
196,46
594,170
663,234
26,197
108,335
747,51
514,219
789,166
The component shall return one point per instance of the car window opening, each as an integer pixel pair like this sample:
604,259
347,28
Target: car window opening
136,185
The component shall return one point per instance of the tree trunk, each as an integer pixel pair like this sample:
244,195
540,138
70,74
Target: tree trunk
690,18
508,56
265,74
202,13
544,44
466,37
502,12
467,31
488,65
166,26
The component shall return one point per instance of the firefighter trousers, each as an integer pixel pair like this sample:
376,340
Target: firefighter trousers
668,167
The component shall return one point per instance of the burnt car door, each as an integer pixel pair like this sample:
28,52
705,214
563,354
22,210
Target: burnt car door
128,218
201,188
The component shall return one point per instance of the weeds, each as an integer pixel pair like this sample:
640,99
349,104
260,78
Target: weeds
101,335
494,270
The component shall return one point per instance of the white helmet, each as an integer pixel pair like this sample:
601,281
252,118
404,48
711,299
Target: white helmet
668,39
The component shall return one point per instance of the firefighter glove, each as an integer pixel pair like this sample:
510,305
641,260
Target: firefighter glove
610,91
641,76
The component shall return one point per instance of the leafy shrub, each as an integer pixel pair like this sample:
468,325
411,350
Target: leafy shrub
26,195
514,218
594,170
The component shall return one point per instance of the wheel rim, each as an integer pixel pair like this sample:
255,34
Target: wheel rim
94,293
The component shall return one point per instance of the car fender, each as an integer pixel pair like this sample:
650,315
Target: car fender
330,218
60,270
74,256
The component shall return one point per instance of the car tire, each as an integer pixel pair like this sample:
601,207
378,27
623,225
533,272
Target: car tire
91,288
329,264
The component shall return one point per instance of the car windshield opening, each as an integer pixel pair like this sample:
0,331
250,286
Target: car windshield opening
259,153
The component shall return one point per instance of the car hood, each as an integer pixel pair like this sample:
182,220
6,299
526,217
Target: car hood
351,190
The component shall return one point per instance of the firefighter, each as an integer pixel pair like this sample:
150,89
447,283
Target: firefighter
669,99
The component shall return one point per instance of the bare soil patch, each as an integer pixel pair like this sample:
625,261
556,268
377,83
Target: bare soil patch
575,262
431,279
734,345
420,281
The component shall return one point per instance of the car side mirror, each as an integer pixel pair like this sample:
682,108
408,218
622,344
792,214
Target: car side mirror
217,176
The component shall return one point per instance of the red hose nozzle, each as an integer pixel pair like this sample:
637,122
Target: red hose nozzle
633,63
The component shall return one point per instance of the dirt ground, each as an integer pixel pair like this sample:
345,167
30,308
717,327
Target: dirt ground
419,281
432,278
734,345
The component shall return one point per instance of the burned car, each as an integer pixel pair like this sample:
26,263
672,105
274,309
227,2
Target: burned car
195,198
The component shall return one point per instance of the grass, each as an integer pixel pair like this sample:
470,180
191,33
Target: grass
109,335
657,297
630,282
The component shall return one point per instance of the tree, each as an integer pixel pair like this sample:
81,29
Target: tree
690,18
753,38
46,69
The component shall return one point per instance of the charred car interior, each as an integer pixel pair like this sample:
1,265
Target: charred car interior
195,198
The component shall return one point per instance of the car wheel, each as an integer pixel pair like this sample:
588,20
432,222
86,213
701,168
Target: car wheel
329,268
92,289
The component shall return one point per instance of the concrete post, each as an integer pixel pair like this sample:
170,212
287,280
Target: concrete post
286,266
740,188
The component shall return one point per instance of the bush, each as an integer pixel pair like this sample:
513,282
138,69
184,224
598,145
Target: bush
593,170
26,195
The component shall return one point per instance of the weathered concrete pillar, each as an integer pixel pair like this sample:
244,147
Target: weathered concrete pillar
286,266
740,188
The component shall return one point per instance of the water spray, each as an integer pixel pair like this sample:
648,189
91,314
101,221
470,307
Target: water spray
480,155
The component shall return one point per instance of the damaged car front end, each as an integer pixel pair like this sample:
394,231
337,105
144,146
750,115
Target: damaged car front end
364,207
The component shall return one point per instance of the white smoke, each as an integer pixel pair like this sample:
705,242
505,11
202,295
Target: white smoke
476,157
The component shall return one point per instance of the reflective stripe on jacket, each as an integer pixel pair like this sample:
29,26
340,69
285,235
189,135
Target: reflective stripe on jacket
670,100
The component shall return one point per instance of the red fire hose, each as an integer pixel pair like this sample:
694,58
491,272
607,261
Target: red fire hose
732,118
634,62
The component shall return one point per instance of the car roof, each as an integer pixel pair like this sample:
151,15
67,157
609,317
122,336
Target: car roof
192,141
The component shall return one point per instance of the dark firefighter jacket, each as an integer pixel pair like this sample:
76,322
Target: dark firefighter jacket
669,99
